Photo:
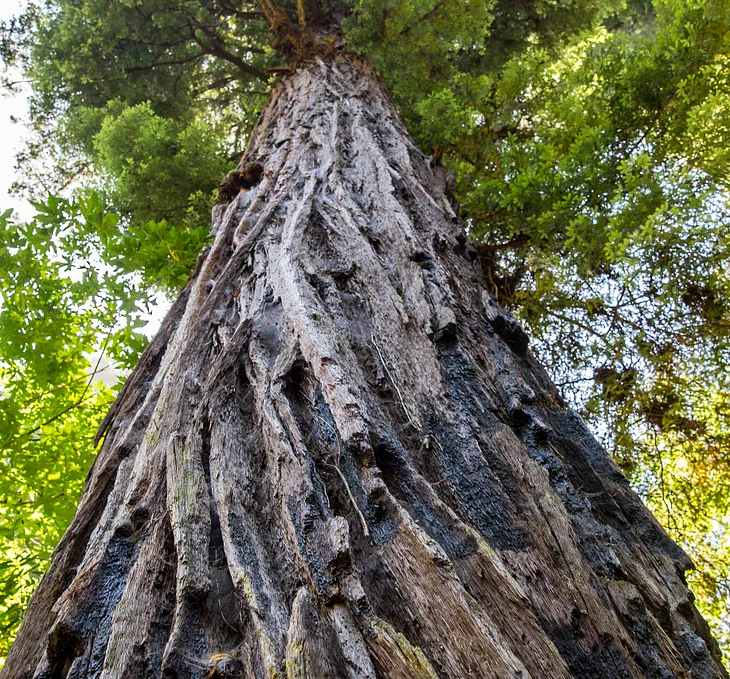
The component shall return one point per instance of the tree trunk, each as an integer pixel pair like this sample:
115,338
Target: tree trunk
339,459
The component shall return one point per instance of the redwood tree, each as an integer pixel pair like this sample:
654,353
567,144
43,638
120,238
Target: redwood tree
338,457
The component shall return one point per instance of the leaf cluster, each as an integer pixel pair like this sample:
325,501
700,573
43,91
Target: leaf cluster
66,317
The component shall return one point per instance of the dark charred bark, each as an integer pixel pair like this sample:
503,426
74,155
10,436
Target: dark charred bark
339,458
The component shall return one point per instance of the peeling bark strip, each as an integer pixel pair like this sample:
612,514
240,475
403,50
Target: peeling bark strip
339,460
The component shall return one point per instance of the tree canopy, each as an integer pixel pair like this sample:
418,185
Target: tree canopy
589,142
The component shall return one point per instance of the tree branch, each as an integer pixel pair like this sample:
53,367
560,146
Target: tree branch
217,50
69,407
171,62
425,17
516,242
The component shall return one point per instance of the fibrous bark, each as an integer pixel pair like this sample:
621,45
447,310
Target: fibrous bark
339,459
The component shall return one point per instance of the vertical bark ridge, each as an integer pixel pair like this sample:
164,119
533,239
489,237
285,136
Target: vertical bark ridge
143,617
238,465
339,459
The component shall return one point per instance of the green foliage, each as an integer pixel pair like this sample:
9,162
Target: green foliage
417,42
146,103
590,140
59,302
151,162
43,472
682,469
151,166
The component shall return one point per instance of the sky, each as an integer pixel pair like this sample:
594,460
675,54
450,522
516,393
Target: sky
11,134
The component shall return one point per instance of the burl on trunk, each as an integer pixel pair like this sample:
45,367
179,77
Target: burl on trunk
339,459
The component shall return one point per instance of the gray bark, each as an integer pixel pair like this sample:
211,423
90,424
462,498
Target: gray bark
338,458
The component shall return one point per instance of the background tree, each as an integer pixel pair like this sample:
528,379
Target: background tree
57,306
586,142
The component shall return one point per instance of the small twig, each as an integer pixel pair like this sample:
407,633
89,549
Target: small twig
516,242
70,407
65,385
555,450
336,467
409,417
220,610
364,523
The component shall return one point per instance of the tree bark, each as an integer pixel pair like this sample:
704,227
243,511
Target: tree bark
338,457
